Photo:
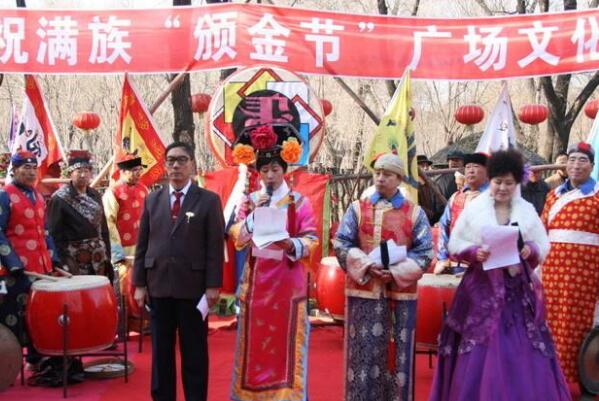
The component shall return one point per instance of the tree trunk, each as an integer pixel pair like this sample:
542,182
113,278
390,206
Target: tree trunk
389,83
184,128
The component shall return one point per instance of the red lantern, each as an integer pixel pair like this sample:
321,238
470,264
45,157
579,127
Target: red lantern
327,107
533,113
469,115
86,120
591,108
200,102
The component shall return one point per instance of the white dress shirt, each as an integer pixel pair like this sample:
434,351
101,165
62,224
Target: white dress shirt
172,191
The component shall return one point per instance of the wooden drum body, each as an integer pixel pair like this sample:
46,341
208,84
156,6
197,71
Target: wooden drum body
330,287
435,295
92,315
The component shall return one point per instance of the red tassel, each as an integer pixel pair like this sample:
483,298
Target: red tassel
391,353
291,215
392,345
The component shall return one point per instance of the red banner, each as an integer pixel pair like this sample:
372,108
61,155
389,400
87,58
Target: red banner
306,41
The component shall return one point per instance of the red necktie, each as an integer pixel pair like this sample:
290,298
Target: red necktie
176,205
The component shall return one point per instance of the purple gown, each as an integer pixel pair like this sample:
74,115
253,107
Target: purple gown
495,344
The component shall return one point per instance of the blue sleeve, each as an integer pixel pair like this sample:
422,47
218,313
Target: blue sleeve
347,235
8,257
444,224
422,241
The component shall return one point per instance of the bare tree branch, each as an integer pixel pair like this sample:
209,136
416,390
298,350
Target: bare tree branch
415,8
482,4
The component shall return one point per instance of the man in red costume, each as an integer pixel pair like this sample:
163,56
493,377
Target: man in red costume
476,183
571,271
123,206
25,244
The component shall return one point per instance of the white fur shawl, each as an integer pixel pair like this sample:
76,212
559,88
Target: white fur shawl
480,213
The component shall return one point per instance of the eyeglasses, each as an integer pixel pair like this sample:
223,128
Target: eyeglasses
170,161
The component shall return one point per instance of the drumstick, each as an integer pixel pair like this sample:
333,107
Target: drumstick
42,276
63,272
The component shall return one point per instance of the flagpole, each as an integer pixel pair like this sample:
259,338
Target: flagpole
171,87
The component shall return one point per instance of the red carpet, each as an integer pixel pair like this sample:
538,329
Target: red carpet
325,373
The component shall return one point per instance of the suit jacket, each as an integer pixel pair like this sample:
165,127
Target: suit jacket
180,259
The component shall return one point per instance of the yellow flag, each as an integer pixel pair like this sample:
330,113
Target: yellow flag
395,133
136,133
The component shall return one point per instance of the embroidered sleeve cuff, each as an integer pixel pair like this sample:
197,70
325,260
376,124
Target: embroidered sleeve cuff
298,251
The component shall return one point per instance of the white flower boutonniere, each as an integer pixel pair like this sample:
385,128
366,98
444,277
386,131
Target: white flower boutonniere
189,216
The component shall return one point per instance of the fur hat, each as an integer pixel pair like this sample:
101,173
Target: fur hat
390,162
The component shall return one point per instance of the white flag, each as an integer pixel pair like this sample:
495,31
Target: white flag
499,133
35,132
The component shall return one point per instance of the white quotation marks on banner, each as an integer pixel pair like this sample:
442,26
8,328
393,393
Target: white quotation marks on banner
327,27
171,22
366,26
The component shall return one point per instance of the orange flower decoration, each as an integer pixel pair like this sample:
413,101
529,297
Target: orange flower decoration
292,151
243,154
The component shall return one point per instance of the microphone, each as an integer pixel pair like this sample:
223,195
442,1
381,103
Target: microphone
520,239
384,255
269,191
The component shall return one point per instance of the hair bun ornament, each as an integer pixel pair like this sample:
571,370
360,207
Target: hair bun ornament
243,154
263,137
291,151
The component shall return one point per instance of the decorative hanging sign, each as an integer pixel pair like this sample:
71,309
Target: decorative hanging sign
263,95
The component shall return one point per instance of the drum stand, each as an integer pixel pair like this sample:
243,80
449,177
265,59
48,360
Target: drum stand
143,318
65,354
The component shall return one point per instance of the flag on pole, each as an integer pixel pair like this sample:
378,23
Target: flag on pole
395,133
35,131
499,133
137,134
14,125
593,140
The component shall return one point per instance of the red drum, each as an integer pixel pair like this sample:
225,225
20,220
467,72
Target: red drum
435,294
436,231
330,287
92,314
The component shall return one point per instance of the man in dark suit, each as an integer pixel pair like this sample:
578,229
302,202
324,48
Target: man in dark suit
179,258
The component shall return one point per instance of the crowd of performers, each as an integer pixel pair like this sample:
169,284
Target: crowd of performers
512,333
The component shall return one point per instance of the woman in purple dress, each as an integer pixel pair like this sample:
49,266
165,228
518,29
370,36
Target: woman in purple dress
495,344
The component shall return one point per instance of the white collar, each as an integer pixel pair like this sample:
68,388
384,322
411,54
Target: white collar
171,189
277,194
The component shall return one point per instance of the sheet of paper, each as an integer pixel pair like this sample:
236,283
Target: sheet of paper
203,306
397,253
502,242
270,225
